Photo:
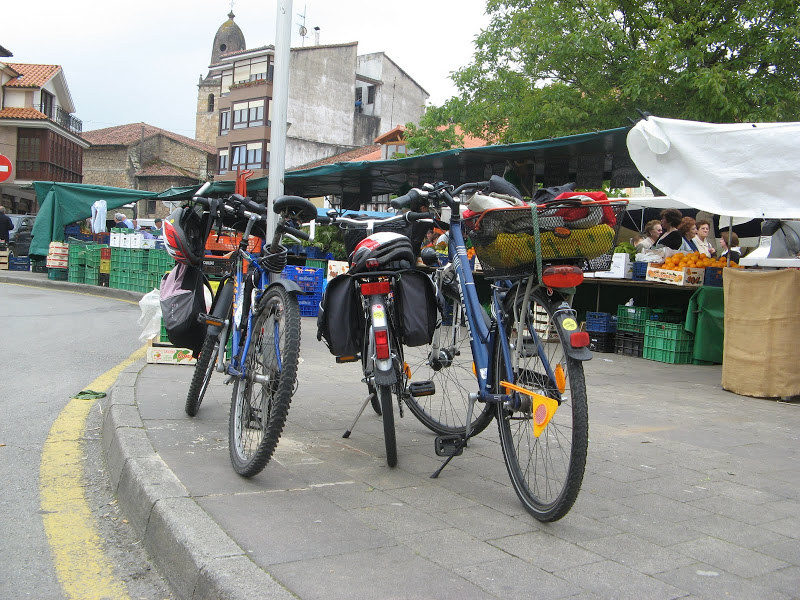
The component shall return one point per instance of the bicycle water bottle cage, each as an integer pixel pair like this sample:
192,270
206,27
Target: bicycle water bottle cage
380,251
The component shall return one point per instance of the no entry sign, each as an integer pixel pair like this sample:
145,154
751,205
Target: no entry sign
5,168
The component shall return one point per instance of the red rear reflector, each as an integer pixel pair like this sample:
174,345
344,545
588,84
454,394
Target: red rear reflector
372,263
382,344
562,276
579,339
375,287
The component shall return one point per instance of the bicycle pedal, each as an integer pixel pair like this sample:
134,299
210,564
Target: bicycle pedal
210,320
348,359
449,445
422,388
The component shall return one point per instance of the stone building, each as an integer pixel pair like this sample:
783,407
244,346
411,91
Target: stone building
338,101
141,156
39,133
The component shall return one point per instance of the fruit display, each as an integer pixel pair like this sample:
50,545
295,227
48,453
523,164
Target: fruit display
697,260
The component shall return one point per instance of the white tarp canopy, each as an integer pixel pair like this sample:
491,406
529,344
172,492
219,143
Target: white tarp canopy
747,170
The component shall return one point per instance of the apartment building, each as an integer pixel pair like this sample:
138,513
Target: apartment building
338,101
38,131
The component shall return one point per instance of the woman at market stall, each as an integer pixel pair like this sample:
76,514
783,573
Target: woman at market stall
652,231
701,239
730,242
670,220
688,230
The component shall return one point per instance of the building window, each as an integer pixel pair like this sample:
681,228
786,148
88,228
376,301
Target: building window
211,103
248,114
371,94
359,94
224,122
47,103
247,156
222,162
151,207
254,155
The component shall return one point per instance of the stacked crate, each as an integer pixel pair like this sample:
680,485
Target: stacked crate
57,261
602,328
310,282
77,261
631,321
92,263
4,259
158,262
668,343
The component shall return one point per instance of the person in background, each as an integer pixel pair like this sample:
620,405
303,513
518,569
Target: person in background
670,220
6,225
688,230
701,239
158,228
652,231
120,220
730,242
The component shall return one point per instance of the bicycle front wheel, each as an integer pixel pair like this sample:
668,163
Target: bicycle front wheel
201,377
261,400
546,471
446,364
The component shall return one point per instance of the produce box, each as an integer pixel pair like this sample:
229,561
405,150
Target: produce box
169,355
687,276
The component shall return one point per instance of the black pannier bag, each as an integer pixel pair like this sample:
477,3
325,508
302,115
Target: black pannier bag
416,309
183,298
341,318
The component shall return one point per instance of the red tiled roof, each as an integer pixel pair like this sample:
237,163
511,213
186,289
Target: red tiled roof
31,76
130,134
21,113
372,152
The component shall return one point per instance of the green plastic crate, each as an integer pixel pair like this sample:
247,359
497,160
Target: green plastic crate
57,274
632,318
316,263
668,342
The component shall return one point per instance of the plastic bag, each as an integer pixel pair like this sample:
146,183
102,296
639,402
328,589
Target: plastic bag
150,319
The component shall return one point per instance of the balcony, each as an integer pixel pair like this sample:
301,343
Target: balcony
62,117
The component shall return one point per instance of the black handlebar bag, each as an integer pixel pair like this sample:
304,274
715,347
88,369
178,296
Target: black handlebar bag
183,299
341,319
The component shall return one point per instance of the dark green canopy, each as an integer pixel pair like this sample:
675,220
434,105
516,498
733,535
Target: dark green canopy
63,203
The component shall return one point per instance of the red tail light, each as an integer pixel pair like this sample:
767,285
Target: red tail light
382,344
562,276
579,339
376,287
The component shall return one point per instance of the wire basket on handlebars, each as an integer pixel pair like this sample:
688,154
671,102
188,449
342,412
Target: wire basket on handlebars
570,231
415,231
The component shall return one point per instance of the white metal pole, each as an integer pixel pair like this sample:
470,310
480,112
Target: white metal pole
280,101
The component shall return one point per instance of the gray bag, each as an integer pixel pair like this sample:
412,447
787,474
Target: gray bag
182,298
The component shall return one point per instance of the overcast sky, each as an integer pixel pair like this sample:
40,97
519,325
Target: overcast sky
127,62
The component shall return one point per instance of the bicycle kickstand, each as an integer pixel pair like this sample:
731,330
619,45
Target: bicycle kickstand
347,433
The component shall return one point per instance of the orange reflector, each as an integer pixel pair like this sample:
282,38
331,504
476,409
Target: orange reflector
474,372
542,407
561,378
407,370
562,276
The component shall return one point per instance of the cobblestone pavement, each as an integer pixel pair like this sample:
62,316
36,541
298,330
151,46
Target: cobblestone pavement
690,492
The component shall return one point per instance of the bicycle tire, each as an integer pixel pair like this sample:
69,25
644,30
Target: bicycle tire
445,411
201,377
252,438
384,393
545,476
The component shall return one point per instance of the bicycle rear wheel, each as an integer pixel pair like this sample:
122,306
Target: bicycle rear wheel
201,377
447,363
546,471
261,400
384,393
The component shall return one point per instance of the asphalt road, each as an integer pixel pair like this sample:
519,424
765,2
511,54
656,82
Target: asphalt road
54,343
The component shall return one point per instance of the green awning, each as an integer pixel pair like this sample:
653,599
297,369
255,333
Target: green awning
63,203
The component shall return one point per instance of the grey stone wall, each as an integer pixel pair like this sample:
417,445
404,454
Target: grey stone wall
107,165
300,151
207,123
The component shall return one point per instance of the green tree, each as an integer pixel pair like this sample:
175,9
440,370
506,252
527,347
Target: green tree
547,68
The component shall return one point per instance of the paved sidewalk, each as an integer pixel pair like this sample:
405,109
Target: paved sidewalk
690,491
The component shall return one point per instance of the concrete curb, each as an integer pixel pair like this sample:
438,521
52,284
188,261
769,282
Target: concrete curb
41,280
194,554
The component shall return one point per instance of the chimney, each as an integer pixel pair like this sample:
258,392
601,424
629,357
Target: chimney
316,36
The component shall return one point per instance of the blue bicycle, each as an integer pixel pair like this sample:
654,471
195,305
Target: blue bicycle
527,356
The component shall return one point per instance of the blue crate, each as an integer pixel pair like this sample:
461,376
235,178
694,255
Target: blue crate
309,304
600,322
308,278
640,270
19,263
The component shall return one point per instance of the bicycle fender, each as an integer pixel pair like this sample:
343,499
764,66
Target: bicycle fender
568,317
222,306
385,377
287,284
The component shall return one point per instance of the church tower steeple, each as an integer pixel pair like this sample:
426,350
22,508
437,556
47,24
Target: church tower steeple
229,38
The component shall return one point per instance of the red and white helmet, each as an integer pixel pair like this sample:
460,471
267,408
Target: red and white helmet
383,248
184,236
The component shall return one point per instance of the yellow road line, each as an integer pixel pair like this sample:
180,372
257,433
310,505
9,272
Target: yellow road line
57,289
83,569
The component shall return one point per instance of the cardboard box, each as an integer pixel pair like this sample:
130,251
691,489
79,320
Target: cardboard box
687,276
170,355
621,267
336,267
57,263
